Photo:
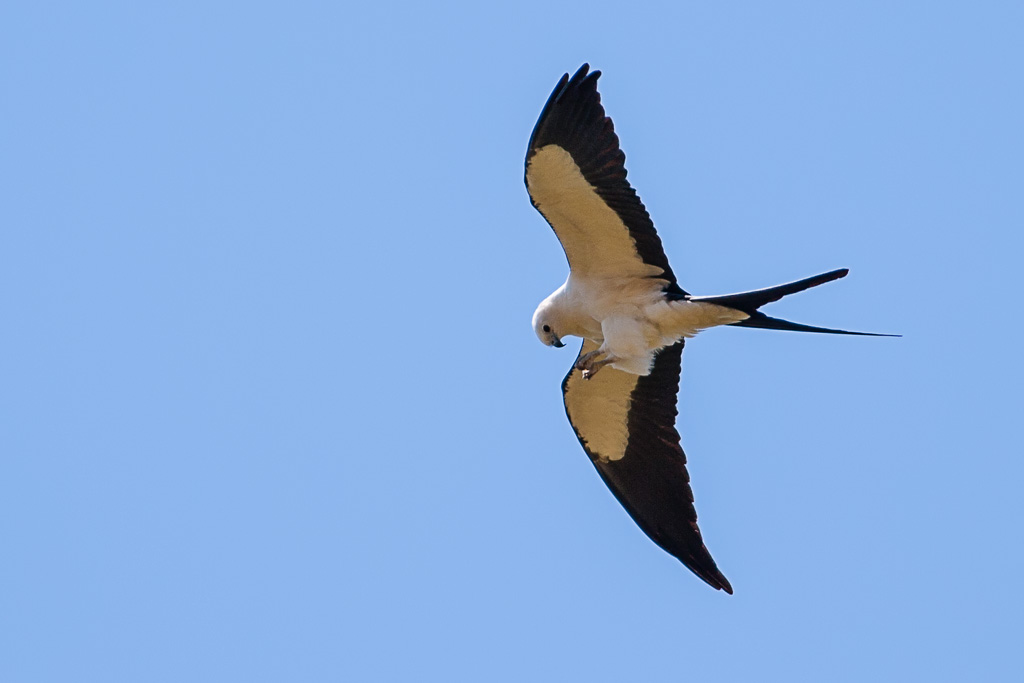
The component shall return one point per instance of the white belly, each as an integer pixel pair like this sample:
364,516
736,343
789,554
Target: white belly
635,339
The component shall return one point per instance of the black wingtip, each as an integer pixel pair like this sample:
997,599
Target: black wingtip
582,75
565,85
719,582
711,575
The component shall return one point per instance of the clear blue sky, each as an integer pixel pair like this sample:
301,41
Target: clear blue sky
271,408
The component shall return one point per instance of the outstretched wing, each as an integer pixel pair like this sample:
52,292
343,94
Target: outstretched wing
576,177
626,424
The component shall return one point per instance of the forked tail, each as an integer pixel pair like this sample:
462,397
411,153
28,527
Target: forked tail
749,302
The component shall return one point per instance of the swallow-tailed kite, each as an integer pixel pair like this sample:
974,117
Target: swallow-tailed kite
622,298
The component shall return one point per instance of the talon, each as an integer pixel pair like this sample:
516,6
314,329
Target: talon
589,365
597,365
586,359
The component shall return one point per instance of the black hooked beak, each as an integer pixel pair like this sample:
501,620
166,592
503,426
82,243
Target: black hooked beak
557,343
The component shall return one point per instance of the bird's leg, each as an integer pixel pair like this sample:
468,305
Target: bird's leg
597,365
585,359
590,363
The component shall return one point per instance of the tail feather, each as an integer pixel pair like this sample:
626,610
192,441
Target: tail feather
749,302
759,319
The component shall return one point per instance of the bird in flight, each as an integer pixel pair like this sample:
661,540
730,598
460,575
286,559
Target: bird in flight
623,299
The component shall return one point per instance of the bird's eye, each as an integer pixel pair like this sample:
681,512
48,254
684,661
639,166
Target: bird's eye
546,328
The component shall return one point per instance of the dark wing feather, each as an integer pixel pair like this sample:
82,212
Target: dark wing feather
626,424
597,216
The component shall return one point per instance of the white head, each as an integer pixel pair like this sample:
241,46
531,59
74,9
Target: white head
546,322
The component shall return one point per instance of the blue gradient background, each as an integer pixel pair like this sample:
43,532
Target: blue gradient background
270,404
